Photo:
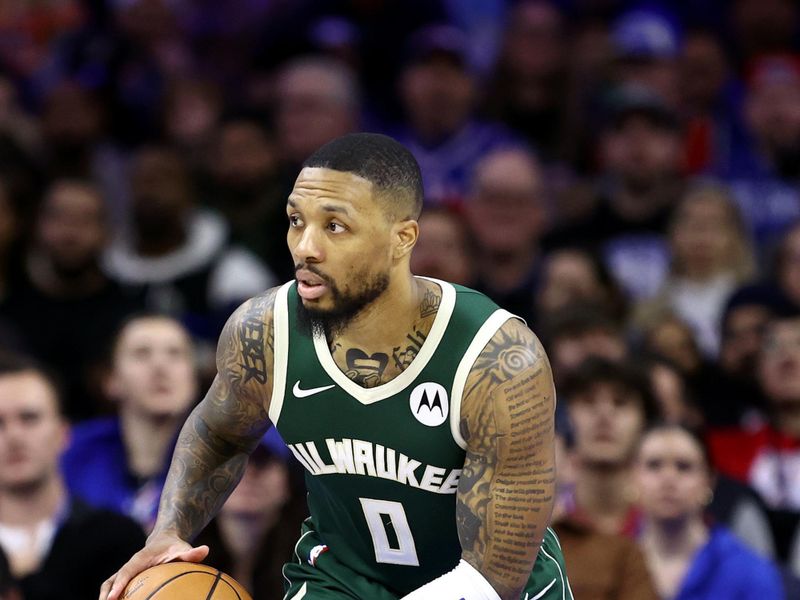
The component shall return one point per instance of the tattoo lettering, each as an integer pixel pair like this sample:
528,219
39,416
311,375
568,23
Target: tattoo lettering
404,356
430,303
507,483
251,338
366,370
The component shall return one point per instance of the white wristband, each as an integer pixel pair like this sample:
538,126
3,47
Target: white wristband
462,583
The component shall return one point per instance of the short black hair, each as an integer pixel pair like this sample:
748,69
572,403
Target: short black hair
12,364
381,160
595,370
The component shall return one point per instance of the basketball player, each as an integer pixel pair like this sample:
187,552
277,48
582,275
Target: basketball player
422,413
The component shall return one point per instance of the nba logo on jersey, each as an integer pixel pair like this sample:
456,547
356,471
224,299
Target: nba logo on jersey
429,404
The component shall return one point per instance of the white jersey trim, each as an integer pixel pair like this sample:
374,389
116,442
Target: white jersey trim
398,384
482,337
280,325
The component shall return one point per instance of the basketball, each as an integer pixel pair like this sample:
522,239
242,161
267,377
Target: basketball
184,581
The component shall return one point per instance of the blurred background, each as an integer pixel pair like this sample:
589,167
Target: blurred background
624,175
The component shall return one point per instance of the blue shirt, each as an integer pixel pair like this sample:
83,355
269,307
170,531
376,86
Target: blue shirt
96,470
726,568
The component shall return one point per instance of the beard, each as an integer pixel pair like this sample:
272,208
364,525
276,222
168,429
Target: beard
346,305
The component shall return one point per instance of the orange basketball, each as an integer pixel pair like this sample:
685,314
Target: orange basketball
184,581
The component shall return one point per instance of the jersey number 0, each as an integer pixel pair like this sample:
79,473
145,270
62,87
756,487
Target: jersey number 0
381,515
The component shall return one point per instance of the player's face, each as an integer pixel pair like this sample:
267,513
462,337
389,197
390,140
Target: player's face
607,422
340,240
32,433
671,475
153,368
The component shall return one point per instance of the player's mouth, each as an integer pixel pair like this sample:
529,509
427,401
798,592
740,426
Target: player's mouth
310,286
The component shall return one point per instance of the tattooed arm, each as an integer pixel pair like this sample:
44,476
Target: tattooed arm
505,495
214,443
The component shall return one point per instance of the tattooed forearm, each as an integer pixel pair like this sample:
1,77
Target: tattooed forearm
205,468
212,449
506,490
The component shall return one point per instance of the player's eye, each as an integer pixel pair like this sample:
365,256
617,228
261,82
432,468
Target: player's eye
335,227
294,221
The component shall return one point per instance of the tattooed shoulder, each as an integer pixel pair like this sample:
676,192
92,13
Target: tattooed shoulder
245,350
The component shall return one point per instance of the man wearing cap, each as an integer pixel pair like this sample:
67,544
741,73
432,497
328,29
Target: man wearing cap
439,91
640,156
764,171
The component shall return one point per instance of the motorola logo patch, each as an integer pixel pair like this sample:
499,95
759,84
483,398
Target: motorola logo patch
429,404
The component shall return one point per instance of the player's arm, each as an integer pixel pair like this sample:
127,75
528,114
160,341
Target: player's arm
213,446
505,495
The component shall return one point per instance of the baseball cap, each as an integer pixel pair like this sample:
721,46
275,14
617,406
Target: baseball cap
646,33
438,40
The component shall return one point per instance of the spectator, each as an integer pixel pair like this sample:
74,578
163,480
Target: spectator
179,253
710,102
765,457
711,256
528,89
505,183
65,306
580,331
746,314
58,547
647,44
443,249
676,404
765,170
439,96
609,406
632,200
601,566
76,145
317,99
121,463
192,109
574,276
245,187
687,558
256,529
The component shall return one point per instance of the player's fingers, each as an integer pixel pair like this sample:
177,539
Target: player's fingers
194,554
106,587
135,565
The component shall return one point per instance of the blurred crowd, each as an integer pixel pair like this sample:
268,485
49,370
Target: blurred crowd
623,175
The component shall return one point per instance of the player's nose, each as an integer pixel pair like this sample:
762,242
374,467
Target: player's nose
309,246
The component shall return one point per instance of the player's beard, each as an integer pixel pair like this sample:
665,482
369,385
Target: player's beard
346,305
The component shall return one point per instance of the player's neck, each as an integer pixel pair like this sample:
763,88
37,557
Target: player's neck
146,441
25,506
389,318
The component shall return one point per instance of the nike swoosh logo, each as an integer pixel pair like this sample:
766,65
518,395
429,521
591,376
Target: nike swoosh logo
301,393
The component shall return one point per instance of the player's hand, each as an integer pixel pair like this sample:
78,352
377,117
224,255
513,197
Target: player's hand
160,549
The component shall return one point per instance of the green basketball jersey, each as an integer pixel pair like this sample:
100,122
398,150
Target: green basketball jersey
382,463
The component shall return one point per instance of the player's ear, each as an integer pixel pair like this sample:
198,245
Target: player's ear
405,236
